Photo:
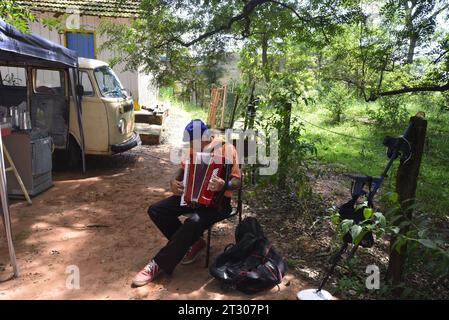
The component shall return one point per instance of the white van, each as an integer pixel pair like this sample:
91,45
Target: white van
107,110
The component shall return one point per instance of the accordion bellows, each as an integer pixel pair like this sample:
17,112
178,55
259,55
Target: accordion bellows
198,171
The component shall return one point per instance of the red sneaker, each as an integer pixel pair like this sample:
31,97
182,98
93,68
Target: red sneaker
147,274
193,252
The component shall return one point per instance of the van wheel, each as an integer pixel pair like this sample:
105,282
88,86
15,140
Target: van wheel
73,155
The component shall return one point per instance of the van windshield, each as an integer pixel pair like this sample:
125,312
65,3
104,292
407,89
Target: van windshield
108,82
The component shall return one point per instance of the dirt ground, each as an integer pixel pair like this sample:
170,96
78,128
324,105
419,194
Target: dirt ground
98,223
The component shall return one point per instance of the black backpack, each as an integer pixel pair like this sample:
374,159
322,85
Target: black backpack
251,264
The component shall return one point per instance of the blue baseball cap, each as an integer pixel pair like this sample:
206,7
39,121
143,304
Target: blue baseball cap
194,129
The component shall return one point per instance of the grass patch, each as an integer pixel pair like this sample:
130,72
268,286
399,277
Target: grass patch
166,94
367,154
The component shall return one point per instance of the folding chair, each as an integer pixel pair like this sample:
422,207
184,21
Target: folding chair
236,210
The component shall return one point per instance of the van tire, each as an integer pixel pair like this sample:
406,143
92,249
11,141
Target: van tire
73,154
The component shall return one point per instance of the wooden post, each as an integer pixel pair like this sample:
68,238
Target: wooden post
406,182
234,109
284,144
225,91
215,97
216,106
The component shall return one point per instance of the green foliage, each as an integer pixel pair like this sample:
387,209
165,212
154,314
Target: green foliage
20,16
15,14
412,22
426,244
337,97
381,51
369,46
286,86
129,44
282,94
319,53
374,222
346,284
167,96
171,36
391,112
435,103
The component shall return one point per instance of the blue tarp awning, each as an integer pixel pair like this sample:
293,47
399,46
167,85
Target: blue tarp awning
20,49
17,47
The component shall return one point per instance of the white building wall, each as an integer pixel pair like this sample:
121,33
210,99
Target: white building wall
148,91
138,83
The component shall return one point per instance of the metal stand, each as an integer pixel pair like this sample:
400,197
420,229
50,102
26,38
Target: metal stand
396,147
16,173
6,215
332,268
319,294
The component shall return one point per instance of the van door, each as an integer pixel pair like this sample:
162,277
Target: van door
94,117
49,105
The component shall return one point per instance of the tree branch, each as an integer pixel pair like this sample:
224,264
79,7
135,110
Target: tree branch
440,57
247,10
289,8
374,97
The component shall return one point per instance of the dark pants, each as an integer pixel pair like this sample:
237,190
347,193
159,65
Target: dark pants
181,236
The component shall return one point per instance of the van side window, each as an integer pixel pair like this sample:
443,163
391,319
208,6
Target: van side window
13,76
49,82
13,87
87,85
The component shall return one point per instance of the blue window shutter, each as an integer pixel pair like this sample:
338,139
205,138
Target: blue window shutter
82,43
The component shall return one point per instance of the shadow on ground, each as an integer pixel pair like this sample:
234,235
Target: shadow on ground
97,223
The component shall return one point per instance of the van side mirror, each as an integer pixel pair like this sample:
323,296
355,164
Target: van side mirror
127,92
80,90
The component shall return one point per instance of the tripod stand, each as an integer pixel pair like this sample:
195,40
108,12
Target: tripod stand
395,147
5,213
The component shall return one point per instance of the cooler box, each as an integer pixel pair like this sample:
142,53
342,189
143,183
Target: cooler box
33,160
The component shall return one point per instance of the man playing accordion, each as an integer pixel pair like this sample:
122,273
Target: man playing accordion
185,240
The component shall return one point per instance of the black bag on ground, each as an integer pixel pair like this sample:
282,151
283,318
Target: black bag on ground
251,264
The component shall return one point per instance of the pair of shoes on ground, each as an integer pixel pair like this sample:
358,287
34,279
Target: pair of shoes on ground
152,270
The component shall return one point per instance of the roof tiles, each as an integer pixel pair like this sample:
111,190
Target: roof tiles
104,8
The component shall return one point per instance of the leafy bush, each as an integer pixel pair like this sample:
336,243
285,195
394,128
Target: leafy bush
277,103
374,222
293,167
391,112
425,242
434,102
335,100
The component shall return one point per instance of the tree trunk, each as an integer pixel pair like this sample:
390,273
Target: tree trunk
284,145
265,58
195,100
411,48
412,34
406,182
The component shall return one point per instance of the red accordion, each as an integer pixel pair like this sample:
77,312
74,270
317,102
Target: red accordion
198,171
